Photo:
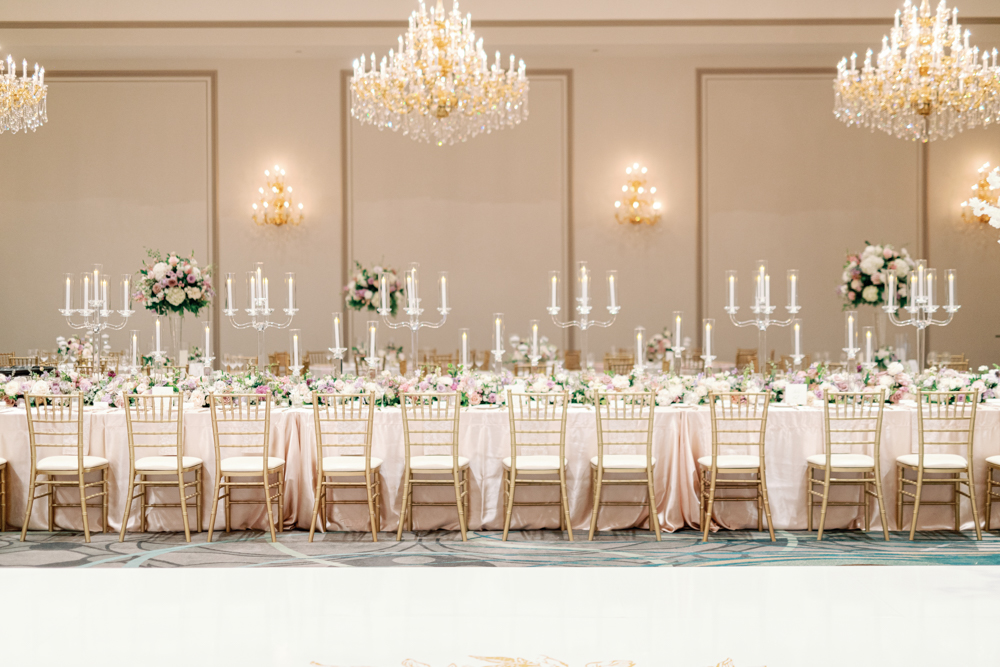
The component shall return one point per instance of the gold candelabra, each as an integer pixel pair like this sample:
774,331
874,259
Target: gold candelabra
984,192
637,205
275,205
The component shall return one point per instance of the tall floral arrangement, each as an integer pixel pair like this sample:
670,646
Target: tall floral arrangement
173,284
866,275
362,292
657,345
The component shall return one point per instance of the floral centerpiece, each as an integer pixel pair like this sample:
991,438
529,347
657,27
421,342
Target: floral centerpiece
521,350
657,345
866,275
362,291
172,284
74,348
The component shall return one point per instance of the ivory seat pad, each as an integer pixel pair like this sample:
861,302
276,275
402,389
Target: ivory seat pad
436,462
350,463
165,463
612,461
934,460
843,460
995,460
731,461
62,463
536,462
249,463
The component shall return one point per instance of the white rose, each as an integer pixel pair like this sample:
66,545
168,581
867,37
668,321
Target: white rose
895,368
40,387
160,270
12,388
176,296
902,269
845,276
620,382
871,264
885,381
870,294
193,293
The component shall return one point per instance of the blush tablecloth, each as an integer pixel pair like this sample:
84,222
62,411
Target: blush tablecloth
680,436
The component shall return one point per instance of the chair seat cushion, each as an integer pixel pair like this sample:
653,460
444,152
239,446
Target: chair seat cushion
744,461
436,462
995,460
934,460
165,463
3,461
843,460
53,463
536,462
351,463
628,461
249,463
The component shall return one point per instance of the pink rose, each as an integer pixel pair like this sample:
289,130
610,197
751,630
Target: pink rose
851,296
887,253
876,278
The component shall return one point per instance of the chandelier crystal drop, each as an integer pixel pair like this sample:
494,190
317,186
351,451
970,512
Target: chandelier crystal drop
926,83
438,86
22,98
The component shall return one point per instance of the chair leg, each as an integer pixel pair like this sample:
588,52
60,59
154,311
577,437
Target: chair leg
881,502
707,524
31,501
403,505
51,509
866,499
128,504
826,499
227,496
269,508
564,500
198,496
899,497
371,506
989,495
105,528
378,500
767,503
3,500
142,504
972,499
654,519
281,501
916,503
316,503
597,504
184,507
83,506
810,503
956,494
510,481
215,506
460,501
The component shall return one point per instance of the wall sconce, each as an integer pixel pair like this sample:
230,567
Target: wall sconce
637,205
275,204
985,193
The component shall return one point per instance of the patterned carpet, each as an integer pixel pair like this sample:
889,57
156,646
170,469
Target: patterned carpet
485,549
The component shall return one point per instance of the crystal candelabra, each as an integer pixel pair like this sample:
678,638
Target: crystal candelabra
920,303
411,288
94,312
762,310
259,310
583,306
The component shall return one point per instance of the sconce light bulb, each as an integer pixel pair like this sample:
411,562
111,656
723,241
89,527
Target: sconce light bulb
652,191
635,166
617,204
640,189
300,207
624,188
635,204
628,170
644,170
656,205
260,190
267,173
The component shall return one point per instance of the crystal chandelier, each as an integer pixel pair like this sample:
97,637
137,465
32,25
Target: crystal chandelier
927,83
438,86
275,204
637,206
984,192
22,100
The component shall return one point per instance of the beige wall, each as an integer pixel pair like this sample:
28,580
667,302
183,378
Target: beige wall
775,160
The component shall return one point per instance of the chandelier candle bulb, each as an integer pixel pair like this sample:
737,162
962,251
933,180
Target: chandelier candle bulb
797,337
731,283
554,280
464,360
931,287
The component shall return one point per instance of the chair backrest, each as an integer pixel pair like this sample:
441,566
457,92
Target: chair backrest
344,424
523,368
946,420
241,421
5,358
156,422
747,358
430,421
956,362
571,360
279,363
692,362
625,422
55,422
317,359
23,361
739,420
619,365
853,422
537,423
442,361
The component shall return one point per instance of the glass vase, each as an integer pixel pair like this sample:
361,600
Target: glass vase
175,323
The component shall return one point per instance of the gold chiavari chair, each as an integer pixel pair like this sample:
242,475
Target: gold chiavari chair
278,363
430,421
23,362
692,363
243,421
56,422
746,358
348,419
314,359
992,485
956,362
3,494
537,423
624,420
739,420
163,372
571,360
442,361
524,369
945,420
5,358
483,365
619,365
157,422
852,421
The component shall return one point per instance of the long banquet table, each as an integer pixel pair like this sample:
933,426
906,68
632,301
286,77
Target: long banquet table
680,436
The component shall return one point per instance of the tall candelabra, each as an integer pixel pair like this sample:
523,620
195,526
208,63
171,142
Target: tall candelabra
259,306
411,287
920,303
762,310
583,307
94,312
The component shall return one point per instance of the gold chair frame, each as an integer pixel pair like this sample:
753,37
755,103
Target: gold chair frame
5,358
49,412
421,413
230,409
850,420
624,419
24,361
935,409
3,496
143,413
354,411
992,464
739,409
571,360
535,420
619,365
